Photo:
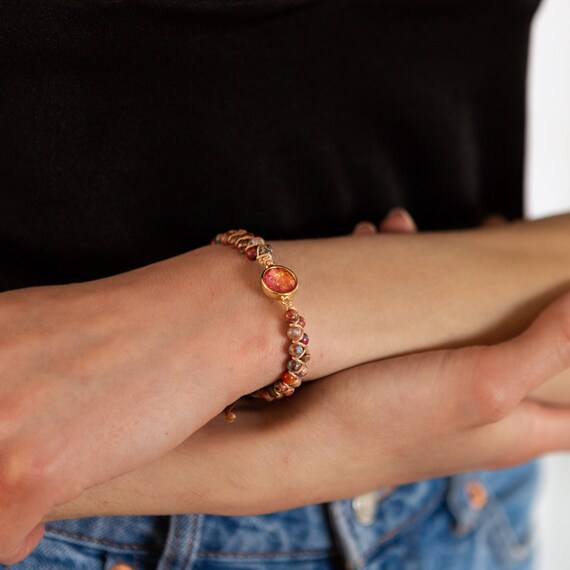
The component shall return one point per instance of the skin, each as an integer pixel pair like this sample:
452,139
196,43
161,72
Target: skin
375,425
238,474
166,337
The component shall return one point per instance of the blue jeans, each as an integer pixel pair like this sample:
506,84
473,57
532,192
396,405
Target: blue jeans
473,521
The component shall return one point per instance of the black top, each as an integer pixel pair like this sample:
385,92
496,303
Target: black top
134,130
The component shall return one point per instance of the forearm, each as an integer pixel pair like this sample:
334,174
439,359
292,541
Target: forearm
377,296
364,299
380,424
383,295
208,473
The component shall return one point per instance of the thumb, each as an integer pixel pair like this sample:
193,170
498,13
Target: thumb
489,381
543,349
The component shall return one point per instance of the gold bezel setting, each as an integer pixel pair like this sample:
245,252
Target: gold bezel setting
276,294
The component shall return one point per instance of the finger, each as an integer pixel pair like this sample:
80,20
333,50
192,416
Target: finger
529,431
398,220
542,351
494,220
26,494
25,547
364,228
488,381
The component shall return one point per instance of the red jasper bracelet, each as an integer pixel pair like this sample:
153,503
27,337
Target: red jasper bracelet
280,283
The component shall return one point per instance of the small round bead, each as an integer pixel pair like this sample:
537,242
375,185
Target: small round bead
295,333
274,393
282,388
302,371
243,241
265,248
224,239
306,357
294,365
304,339
263,394
296,350
291,379
288,377
251,253
297,383
291,316
301,322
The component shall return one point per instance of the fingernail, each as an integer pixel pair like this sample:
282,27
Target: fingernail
403,215
364,228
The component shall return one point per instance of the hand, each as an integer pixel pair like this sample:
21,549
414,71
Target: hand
379,424
114,358
50,455
553,392
98,379
428,415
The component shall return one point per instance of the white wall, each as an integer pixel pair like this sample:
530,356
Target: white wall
548,192
548,146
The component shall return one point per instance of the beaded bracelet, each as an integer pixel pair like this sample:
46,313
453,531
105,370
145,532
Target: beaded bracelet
279,283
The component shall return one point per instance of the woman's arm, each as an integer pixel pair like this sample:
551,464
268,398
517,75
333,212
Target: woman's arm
393,294
125,368
475,285
102,377
379,424
382,295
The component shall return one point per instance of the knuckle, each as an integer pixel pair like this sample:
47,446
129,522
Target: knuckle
487,399
22,472
491,400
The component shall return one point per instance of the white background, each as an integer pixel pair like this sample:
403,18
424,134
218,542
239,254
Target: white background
548,192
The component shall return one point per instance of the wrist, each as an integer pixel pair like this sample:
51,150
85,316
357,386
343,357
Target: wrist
243,332
198,294
256,347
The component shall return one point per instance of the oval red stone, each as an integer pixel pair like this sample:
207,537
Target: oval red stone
280,280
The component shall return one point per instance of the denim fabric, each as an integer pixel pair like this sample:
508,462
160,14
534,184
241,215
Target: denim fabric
430,525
